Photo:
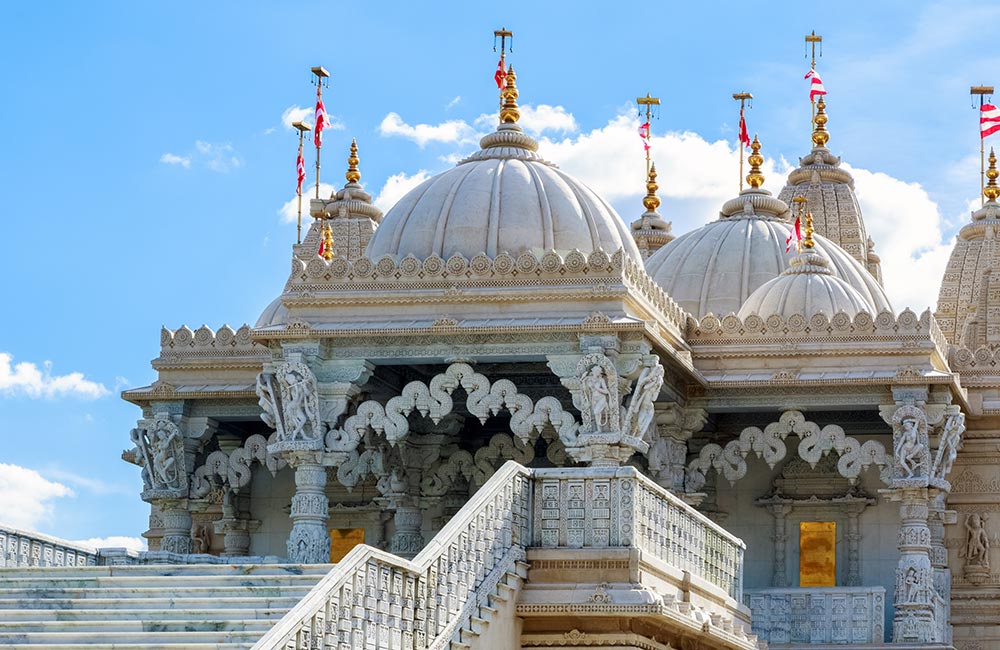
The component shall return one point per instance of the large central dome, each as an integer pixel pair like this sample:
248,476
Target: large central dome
502,198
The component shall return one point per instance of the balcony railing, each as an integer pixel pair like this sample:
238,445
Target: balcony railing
836,615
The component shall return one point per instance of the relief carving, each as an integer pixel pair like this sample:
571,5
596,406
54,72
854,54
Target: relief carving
160,453
290,405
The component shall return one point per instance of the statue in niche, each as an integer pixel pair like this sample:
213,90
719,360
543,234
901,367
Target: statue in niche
201,539
911,586
909,450
598,396
640,412
951,442
160,452
289,402
977,542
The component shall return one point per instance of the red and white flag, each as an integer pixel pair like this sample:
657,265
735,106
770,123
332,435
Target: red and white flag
322,246
989,120
816,85
300,167
500,74
321,122
794,237
744,134
644,134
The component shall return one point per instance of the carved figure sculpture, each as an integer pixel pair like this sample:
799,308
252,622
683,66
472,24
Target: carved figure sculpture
289,402
908,449
640,410
201,540
951,442
977,542
598,395
160,452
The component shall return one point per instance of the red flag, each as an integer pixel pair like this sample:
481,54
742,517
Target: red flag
989,120
300,166
321,122
500,74
322,244
815,86
794,237
644,134
744,134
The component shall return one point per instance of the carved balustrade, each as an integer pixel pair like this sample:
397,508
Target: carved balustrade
19,548
835,615
376,600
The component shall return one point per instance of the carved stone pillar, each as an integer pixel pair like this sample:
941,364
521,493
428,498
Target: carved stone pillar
939,561
668,453
914,621
309,541
176,525
408,519
235,530
780,512
853,537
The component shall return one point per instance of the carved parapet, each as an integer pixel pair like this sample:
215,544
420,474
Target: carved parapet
203,342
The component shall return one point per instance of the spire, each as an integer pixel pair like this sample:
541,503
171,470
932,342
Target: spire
755,178
327,247
820,135
651,201
992,190
353,175
509,114
807,242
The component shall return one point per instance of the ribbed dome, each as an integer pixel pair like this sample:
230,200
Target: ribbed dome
715,268
503,198
807,287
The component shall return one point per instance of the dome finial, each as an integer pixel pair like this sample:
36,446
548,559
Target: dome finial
509,114
353,175
820,135
807,242
651,201
326,247
992,190
755,178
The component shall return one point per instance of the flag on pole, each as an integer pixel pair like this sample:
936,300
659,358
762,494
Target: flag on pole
322,244
816,85
794,237
321,122
500,74
989,120
300,166
644,134
744,134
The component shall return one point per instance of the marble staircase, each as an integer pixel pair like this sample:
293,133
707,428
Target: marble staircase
148,606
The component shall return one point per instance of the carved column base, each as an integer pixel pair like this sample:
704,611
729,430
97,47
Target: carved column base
309,541
913,624
407,540
976,573
612,449
176,526
236,535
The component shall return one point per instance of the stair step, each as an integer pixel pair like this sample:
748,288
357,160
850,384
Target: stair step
162,592
138,626
183,645
115,640
184,582
155,570
282,601
162,614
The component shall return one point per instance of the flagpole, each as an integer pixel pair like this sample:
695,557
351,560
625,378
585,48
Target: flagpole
504,34
812,39
321,75
649,102
742,97
982,91
302,127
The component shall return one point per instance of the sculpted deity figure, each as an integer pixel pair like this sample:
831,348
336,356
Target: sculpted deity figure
595,389
908,449
977,544
640,410
160,452
951,442
201,539
296,407
289,402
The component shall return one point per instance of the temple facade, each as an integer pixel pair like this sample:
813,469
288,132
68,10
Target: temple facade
716,443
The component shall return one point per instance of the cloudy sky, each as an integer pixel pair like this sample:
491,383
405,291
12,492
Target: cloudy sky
162,132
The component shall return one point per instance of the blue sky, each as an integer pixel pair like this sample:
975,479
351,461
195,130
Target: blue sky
157,129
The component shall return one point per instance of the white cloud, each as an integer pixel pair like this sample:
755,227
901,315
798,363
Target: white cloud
87,483
307,114
216,157
171,159
290,210
396,186
453,102
26,378
536,119
452,131
26,497
115,541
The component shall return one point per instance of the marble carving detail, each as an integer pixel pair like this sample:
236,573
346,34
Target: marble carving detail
289,402
160,453
233,470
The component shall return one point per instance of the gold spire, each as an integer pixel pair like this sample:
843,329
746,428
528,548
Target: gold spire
820,135
807,240
508,112
651,201
353,175
327,243
755,178
992,190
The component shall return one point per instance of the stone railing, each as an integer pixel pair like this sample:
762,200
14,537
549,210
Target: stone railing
836,615
21,548
183,342
376,600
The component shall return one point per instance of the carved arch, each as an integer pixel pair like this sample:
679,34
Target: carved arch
478,468
233,469
769,444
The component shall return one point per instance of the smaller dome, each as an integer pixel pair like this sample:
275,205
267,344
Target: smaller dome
807,287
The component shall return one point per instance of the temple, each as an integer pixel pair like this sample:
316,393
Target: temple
502,416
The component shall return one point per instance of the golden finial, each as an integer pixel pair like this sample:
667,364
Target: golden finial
327,243
807,241
353,175
820,135
651,201
992,190
508,112
755,178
